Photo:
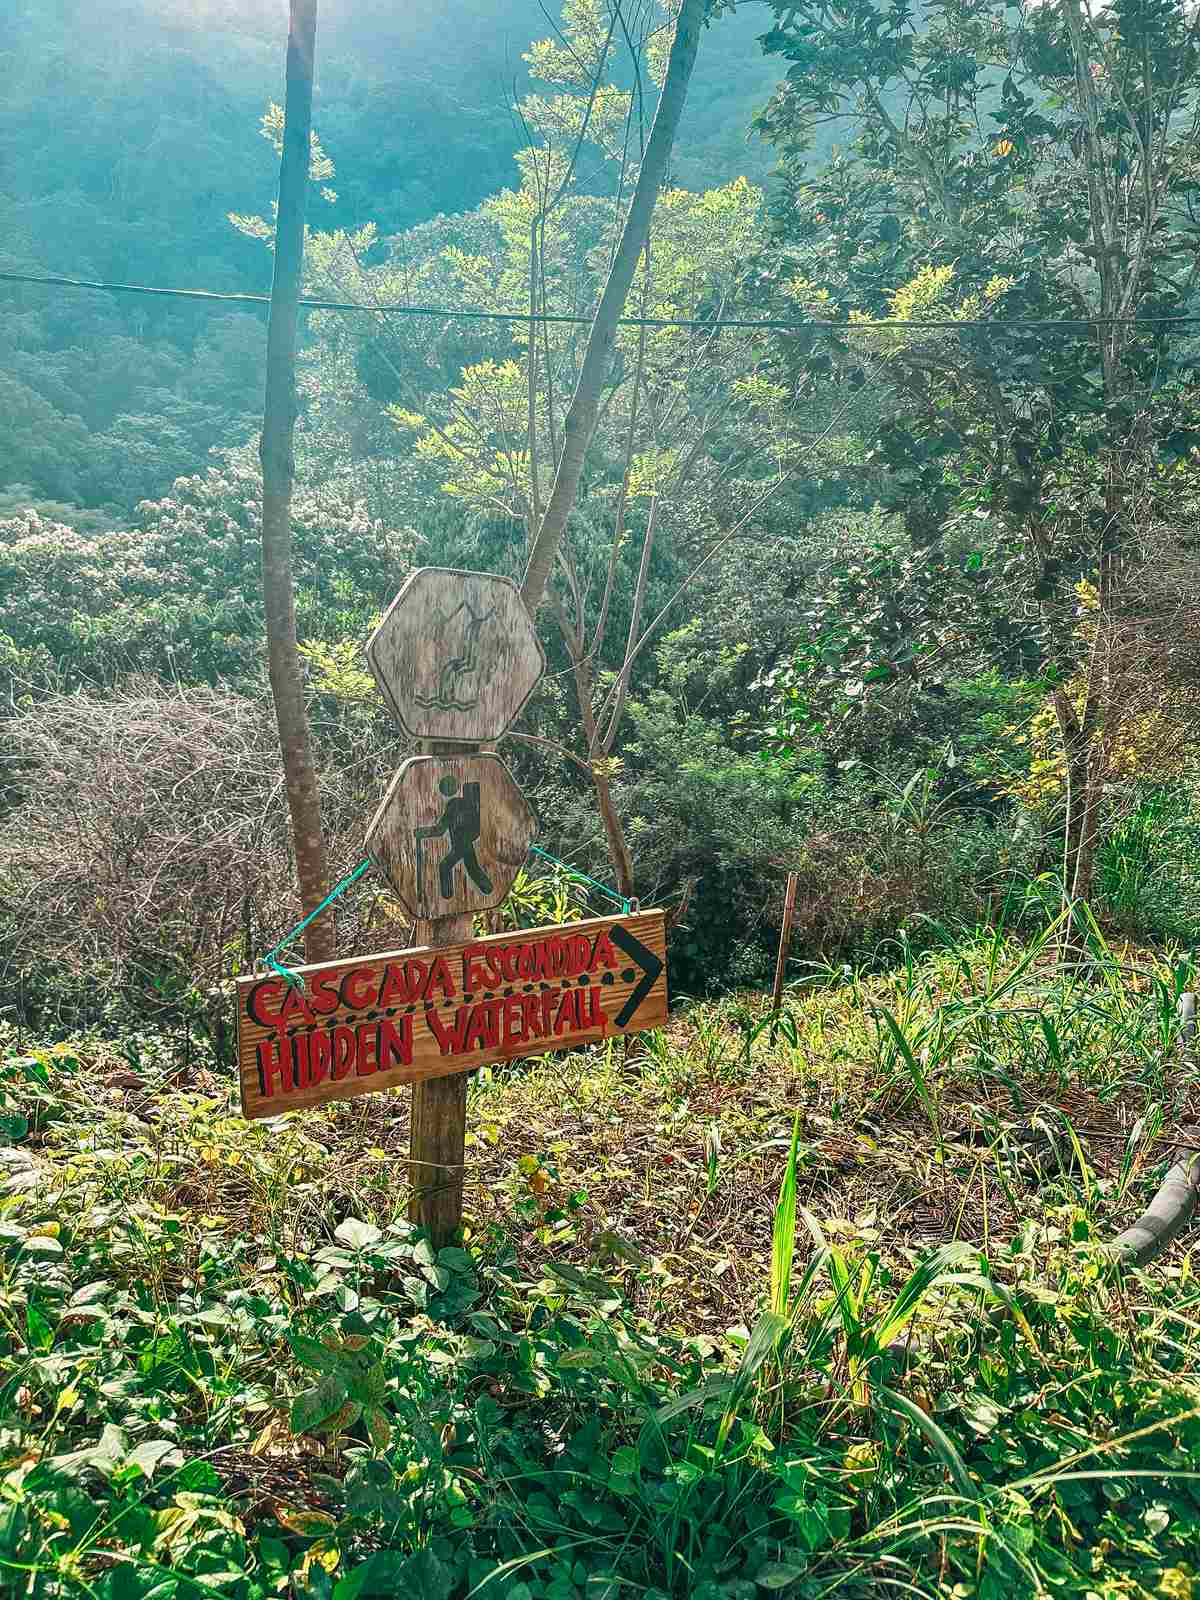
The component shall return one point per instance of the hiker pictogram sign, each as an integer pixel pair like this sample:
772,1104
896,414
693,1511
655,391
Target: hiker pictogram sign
456,656
373,1022
451,834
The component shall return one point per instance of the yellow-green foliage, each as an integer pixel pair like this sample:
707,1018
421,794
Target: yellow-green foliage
931,297
336,670
1136,743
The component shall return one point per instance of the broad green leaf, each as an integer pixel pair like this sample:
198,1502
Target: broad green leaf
311,1353
379,1428
356,1234
778,1574
151,1453
39,1335
312,1407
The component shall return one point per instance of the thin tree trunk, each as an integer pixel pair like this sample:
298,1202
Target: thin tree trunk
618,850
614,833
1089,833
1076,764
581,418
278,468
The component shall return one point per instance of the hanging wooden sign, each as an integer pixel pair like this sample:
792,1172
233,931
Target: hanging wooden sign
373,1022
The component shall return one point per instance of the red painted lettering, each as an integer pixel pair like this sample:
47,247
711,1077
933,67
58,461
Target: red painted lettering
300,1059
449,1036
395,1045
595,1015
320,1054
397,988
295,1003
256,997
567,1020
580,948
513,1012
275,1062
474,972
531,1015
323,995
481,1030
440,977
358,989
603,953
368,1041
345,1044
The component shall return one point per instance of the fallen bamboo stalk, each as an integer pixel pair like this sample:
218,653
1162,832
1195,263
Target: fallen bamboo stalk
1164,1219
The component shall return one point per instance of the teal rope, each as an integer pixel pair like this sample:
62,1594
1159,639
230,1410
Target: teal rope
573,872
269,960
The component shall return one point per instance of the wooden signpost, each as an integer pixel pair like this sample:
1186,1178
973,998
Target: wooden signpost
456,659
456,656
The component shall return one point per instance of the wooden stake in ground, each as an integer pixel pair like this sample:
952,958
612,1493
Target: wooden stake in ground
580,423
785,940
437,1140
278,469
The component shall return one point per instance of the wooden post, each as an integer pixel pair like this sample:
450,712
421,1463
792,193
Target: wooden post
437,1136
785,940
437,1141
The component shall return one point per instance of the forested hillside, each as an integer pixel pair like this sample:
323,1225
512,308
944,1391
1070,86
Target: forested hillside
130,178
673,1070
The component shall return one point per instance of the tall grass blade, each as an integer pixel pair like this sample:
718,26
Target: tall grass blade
939,1440
783,1240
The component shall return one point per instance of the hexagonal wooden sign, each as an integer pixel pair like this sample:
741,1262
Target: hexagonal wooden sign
451,834
456,656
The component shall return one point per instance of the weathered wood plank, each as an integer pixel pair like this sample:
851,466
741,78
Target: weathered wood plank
456,655
373,1022
451,834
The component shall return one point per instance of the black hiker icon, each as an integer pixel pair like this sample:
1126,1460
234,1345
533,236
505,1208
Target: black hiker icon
460,821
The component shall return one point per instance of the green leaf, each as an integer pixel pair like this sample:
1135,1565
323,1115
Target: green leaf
379,1428
39,1335
311,1353
586,1282
778,1574
938,1439
151,1453
356,1234
312,1407
581,1358
41,1244
783,1242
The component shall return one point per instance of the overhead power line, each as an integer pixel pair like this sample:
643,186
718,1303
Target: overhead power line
766,324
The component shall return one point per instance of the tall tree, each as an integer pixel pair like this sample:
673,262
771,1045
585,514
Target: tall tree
581,418
1015,164
278,465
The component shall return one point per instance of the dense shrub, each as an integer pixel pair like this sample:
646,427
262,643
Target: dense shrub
872,853
147,854
179,594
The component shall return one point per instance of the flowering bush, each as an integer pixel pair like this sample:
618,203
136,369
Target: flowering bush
179,594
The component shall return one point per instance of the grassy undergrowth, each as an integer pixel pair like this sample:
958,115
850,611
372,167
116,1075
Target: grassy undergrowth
824,1313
